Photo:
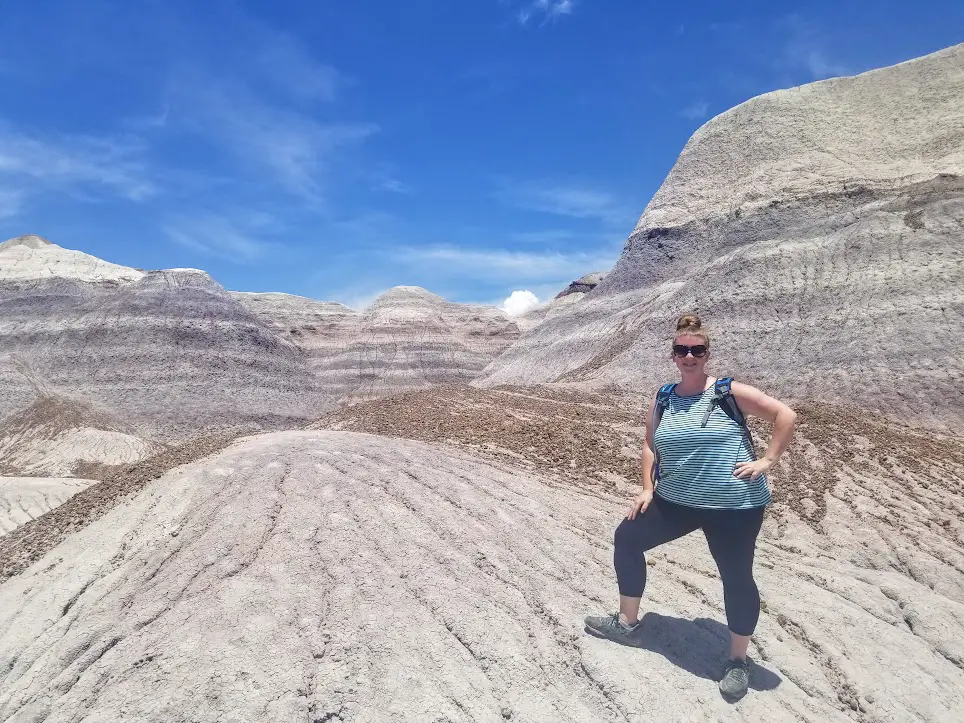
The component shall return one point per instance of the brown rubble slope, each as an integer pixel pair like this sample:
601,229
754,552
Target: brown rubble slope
851,482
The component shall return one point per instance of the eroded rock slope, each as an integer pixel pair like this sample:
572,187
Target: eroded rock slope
23,499
56,434
344,576
167,353
817,230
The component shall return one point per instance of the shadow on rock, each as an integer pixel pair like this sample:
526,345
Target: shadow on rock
699,647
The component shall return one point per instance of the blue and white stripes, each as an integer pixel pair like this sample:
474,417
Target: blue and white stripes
696,462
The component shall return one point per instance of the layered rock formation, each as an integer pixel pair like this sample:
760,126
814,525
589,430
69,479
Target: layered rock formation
166,353
408,338
584,284
169,353
817,231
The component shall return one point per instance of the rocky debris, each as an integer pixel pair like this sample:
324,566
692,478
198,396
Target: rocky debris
817,232
584,284
23,499
344,576
30,542
407,338
56,433
168,353
595,439
586,438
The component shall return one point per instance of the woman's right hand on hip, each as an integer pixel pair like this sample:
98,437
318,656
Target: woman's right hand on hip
639,504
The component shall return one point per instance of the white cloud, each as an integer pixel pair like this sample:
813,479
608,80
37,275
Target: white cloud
83,166
565,200
696,110
214,235
519,302
546,9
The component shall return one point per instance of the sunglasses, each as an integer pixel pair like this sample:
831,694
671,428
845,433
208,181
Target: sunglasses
682,350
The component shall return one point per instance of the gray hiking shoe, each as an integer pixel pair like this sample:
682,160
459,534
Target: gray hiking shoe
612,628
735,680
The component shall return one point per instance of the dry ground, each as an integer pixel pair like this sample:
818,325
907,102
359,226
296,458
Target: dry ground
336,576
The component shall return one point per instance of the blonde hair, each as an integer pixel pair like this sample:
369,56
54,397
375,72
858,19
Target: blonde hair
690,325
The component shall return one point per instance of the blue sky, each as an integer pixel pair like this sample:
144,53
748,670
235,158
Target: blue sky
335,149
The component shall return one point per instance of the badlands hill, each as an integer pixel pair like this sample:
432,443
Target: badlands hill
168,354
407,338
165,353
818,232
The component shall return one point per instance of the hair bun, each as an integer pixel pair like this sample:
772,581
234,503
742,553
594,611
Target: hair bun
688,322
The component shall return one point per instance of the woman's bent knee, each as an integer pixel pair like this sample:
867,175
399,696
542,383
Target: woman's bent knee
626,535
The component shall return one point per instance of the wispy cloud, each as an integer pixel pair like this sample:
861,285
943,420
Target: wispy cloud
505,265
266,109
293,148
287,64
357,297
219,236
564,200
255,94
545,236
11,201
384,180
544,9
85,166
804,50
696,110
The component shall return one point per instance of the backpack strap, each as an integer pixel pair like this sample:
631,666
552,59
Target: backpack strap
662,402
724,399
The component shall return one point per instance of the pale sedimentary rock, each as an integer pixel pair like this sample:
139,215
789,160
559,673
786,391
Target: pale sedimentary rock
26,498
344,576
56,434
817,230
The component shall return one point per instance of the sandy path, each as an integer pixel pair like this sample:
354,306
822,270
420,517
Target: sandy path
335,576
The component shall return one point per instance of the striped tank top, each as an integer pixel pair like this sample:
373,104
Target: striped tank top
696,462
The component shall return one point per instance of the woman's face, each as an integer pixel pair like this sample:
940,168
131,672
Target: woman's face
690,354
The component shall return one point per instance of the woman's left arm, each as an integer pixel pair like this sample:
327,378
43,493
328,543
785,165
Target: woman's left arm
752,401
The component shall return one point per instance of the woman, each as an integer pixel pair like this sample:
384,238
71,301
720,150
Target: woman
709,478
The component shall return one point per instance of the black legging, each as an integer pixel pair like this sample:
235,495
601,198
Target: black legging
731,535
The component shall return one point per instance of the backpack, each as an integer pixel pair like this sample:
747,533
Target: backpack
722,398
